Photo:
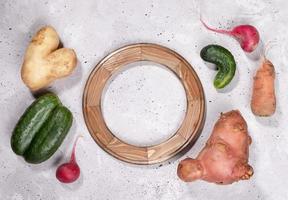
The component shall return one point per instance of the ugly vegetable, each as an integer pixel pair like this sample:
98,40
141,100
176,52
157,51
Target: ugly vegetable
224,61
247,35
69,172
31,122
43,62
263,102
41,129
224,159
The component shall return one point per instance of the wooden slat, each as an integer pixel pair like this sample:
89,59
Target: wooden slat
164,150
122,58
98,126
189,81
128,152
159,55
95,87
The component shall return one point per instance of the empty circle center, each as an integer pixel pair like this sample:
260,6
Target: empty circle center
144,103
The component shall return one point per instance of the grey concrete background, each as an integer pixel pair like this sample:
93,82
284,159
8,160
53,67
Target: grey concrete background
96,27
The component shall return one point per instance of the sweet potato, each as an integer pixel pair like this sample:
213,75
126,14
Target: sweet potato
224,159
43,62
263,101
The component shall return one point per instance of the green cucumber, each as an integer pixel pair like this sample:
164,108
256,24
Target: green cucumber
50,136
224,61
31,122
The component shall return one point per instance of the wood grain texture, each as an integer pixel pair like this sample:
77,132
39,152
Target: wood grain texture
190,128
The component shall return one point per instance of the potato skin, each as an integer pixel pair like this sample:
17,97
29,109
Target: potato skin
43,62
263,102
224,159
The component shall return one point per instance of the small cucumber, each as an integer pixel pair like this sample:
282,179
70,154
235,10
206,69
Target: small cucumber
31,122
224,61
50,136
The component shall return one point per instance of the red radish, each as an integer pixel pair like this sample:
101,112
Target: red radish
69,172
247,35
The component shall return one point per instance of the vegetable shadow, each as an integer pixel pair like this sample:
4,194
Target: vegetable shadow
232,84
62,84
68,82
257,53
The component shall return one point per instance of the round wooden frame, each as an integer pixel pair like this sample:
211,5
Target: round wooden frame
190,128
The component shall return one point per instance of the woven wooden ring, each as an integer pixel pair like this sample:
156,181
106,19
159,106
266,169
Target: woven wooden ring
190,128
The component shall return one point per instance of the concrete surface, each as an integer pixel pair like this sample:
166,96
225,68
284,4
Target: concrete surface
96,27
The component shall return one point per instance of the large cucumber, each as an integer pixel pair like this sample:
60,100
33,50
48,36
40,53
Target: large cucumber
50,136
31,122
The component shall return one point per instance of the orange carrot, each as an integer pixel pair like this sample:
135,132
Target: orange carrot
263,101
